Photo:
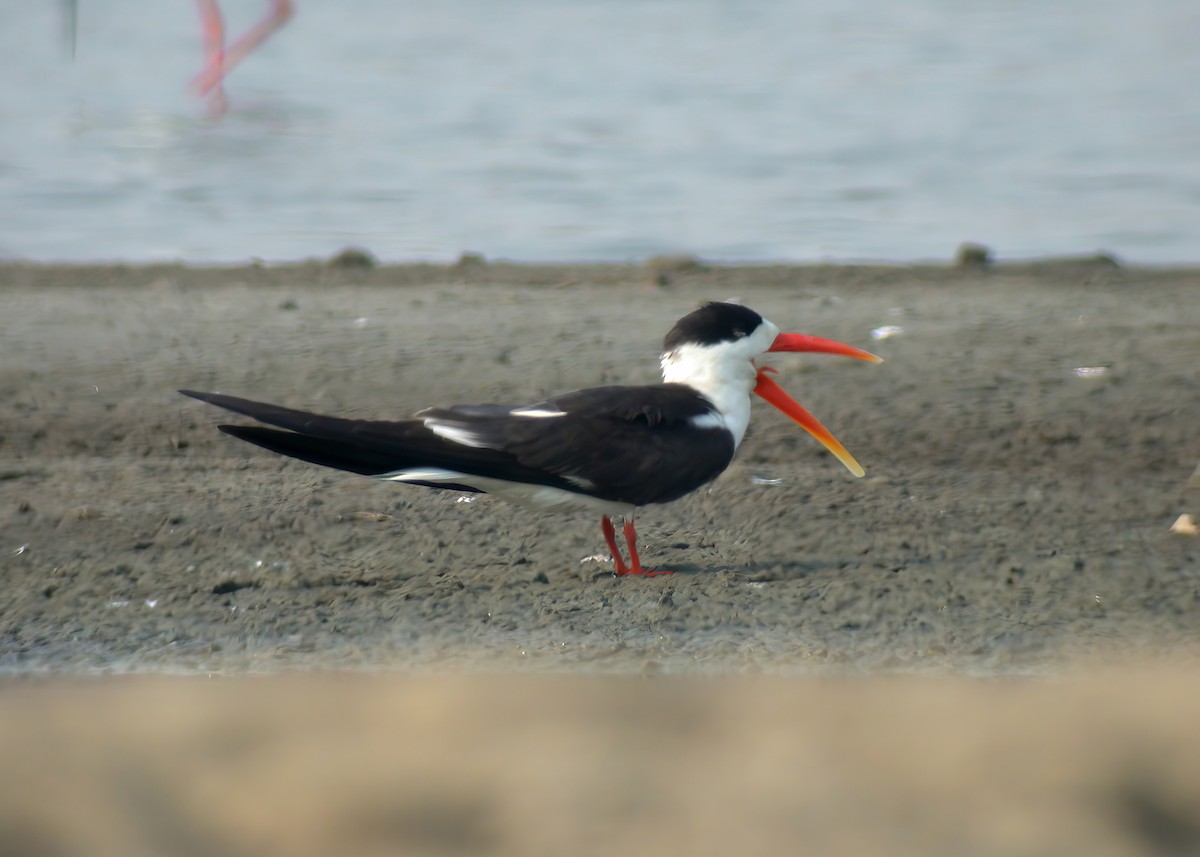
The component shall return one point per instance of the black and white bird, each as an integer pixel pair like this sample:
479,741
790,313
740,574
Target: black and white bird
604,449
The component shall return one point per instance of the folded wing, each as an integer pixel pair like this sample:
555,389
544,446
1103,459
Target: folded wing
614,443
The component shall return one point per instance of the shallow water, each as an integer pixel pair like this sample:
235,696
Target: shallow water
585,130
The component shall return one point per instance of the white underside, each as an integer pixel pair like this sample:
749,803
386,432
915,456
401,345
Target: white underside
538,496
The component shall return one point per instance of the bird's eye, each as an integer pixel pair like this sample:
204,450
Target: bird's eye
738,333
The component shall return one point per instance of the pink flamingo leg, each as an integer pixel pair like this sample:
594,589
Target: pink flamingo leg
214,52
219,60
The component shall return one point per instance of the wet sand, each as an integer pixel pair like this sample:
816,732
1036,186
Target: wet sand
1014,521
1015,516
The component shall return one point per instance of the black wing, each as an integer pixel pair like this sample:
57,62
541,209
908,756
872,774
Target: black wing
369,447
634,445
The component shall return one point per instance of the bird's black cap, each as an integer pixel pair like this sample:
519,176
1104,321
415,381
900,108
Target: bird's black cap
713,323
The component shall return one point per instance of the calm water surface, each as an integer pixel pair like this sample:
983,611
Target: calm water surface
543,129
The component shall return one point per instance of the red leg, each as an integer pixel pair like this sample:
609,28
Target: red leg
634,561
220,63
610,536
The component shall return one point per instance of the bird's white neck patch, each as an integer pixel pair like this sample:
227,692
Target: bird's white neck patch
723,373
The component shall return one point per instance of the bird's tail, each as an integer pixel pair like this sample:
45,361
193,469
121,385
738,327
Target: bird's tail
370,447
326,451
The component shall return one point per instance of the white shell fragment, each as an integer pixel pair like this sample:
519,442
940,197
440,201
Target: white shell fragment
1090,371
887,331
370,516
1185,525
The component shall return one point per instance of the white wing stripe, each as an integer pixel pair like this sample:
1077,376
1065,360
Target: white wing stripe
457,434
425,474
537,412
711,420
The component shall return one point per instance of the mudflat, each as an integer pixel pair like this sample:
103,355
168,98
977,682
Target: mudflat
1028,443
987,645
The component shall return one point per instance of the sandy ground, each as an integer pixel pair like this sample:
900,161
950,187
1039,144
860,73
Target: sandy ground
1014,521
1014,515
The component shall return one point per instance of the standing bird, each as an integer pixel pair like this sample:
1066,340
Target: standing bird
219,60
604,449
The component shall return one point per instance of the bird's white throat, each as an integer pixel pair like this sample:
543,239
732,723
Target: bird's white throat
723,373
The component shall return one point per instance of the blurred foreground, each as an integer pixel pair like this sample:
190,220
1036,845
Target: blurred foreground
342,763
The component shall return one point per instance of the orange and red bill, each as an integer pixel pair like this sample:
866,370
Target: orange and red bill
777,396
